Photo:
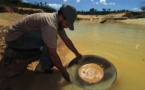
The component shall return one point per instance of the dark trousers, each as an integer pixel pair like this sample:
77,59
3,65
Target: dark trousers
30,41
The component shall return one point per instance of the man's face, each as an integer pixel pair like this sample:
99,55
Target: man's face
63,23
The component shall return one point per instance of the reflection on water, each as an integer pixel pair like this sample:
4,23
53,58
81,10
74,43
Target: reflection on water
122,44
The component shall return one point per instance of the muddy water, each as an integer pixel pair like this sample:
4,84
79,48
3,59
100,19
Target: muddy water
121,44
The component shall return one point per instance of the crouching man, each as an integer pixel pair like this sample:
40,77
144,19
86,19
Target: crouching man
39,33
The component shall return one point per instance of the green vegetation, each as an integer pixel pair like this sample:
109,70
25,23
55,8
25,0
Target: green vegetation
139,16
19,3
142,6
104,11
16,4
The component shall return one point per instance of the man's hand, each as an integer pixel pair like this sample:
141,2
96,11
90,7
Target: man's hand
79,56
66,76
57,62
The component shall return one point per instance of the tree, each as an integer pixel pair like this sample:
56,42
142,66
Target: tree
104,10
109,10
92,10
11,2
143,9
45,3
41,4
142,6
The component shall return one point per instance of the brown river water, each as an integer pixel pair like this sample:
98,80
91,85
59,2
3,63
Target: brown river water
121,44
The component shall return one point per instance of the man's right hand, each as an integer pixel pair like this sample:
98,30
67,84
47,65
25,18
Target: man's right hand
66,76
57,62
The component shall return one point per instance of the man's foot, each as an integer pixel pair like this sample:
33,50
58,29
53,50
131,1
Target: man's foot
40,69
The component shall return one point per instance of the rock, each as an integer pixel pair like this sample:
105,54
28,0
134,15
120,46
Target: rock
103,21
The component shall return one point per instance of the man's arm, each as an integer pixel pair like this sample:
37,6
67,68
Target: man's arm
57,62
70,45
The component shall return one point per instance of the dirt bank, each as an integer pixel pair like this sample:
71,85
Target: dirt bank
119,17
8,19
139,21
20,10
101,18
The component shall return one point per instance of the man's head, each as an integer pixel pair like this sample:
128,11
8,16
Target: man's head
67,15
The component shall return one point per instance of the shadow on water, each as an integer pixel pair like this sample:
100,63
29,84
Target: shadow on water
30,80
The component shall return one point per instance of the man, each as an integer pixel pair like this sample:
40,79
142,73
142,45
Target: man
39,32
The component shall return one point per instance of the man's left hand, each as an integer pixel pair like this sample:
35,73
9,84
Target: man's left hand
78,56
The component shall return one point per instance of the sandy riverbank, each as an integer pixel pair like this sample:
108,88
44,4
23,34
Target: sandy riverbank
139,21
120,17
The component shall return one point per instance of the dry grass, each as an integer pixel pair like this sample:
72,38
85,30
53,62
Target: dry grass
7,19
34,9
